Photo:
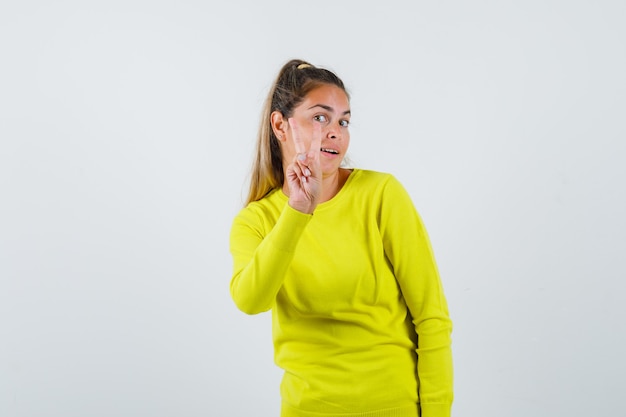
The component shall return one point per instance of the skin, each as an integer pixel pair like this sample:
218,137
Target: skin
318,124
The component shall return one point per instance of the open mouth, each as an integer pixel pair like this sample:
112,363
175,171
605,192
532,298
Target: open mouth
331,151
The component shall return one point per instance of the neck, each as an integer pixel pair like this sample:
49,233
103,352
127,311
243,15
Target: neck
331,184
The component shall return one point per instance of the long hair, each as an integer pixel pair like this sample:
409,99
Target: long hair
295,80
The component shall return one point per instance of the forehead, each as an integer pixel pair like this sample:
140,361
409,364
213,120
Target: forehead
327,95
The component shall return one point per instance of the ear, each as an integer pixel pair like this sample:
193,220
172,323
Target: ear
279,125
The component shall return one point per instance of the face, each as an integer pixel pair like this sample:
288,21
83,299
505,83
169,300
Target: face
329,106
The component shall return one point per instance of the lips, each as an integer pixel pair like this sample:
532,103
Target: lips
329,150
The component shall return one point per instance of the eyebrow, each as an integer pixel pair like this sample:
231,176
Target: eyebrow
328,108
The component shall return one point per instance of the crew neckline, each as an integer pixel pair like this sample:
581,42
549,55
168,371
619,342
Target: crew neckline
336,197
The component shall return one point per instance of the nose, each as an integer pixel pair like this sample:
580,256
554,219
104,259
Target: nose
334,132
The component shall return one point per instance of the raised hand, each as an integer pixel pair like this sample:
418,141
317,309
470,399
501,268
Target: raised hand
304,176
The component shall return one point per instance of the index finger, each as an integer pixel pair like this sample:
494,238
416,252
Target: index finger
297,139
316,142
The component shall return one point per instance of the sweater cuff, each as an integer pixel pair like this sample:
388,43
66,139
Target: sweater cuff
435,410
289,228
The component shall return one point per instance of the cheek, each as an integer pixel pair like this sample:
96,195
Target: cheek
289,148
346,140
304,136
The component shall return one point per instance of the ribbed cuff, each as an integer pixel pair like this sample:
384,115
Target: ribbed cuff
403,411
435,410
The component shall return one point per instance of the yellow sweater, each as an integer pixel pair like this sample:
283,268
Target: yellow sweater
360,321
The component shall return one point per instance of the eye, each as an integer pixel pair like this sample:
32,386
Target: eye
344,123
320,118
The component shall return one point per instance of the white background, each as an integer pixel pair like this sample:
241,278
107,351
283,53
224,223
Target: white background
126,133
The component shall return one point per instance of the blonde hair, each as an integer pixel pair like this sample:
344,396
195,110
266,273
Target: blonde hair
295,80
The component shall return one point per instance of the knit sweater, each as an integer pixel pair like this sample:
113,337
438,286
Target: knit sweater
359,318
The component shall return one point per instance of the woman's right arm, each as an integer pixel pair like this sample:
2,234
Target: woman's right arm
261,262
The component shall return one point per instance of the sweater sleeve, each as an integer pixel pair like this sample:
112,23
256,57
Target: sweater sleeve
408,249
260,259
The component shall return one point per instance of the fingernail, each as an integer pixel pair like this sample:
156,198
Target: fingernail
307,172
301,157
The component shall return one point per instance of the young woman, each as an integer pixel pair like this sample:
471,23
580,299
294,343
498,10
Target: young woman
340,256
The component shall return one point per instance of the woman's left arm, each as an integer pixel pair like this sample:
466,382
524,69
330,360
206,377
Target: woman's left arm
408,248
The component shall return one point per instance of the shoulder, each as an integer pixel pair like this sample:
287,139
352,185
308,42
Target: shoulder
264,210
376,181
384,193
366,176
